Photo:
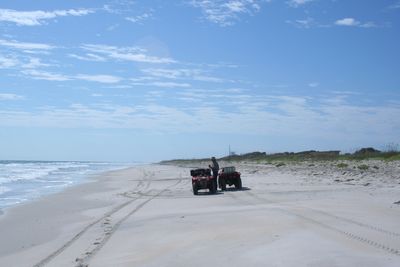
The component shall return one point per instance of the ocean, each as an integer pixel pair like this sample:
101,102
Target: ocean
22,181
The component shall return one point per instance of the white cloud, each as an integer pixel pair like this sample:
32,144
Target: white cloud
206,78
4,96
38,17
96,95
347,22
181,73
167,73
164,84
297,3
98,78
303,23
224,12
112,27
313,84
45,75
395,5
236,6
25,46
49,76
88,57
34,63
140,18
369,24
351,22
283,116
8,62
144,78
119,7
135,54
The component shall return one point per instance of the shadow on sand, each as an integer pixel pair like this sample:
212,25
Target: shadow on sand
233,189
207,193
220,192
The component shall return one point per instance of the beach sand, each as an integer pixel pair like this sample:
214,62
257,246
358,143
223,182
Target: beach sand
291,215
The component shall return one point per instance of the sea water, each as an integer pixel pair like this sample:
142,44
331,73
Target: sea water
21,181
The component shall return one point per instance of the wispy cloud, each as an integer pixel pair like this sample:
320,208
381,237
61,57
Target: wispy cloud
4,96
99,78
297,3
45,75
38,17
352,22
370,24
140,18
25,46
309,22
303,23
8,62
120,7
347,22
50,76
96,95
280,115
163,84
224,12
135,54
88,57
181,73
395,5
34,63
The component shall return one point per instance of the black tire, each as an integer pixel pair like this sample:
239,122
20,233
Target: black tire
238,183
195,189
223,185
213,187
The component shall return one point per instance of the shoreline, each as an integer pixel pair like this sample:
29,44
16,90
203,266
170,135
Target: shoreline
55,217
68,180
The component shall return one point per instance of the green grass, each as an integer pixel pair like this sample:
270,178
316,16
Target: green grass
290,157
342,165
363,167
393,157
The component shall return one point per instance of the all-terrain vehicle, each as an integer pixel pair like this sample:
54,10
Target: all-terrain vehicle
229,176
202,179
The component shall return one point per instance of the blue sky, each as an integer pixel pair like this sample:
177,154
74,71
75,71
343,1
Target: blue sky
150,80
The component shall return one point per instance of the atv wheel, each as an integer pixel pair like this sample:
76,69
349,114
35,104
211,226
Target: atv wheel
195,190
238,184
213,187
223,185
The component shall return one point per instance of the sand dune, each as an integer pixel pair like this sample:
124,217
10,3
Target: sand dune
148,216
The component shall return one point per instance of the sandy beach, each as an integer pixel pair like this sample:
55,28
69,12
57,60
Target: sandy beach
291,215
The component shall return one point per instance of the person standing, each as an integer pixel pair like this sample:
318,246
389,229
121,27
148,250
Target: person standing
215,168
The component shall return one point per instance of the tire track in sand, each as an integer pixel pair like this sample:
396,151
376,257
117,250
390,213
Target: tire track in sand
349,234
66,245
83,261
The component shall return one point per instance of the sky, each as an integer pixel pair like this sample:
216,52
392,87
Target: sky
118,80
